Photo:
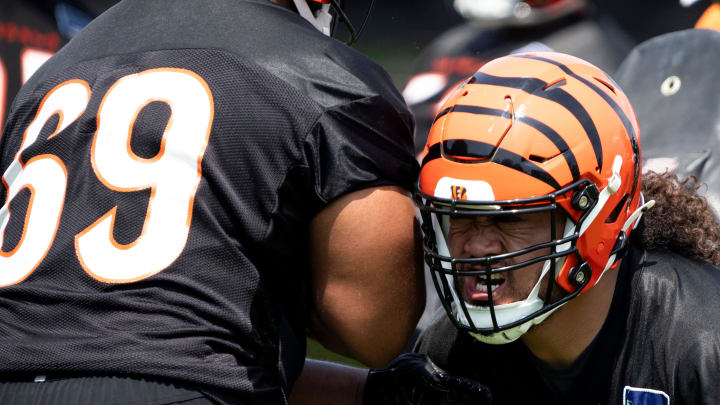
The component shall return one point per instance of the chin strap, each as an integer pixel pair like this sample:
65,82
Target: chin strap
613,185
321,19
622,244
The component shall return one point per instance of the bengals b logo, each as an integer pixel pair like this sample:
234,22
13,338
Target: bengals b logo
459,192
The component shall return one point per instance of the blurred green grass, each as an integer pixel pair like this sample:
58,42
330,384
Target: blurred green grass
316,351
397,58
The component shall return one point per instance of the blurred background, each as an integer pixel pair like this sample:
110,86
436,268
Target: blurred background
399,30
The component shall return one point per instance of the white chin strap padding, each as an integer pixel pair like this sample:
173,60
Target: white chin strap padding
613,185
321,19
632,221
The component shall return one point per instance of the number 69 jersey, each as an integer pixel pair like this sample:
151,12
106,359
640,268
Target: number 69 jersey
158,188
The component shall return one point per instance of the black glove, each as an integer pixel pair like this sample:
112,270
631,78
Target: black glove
413,379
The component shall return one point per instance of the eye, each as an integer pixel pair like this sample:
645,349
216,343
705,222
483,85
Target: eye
510,219
459,223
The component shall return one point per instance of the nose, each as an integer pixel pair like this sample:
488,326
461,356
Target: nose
484,240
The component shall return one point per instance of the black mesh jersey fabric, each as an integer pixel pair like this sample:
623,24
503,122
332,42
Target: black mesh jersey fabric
297,120
662,336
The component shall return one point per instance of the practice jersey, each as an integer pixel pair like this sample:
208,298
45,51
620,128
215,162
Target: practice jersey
161,174
660,344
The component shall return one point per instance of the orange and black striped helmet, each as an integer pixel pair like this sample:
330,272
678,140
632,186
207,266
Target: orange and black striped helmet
532,132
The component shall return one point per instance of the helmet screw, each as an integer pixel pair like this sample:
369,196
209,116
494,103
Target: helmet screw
583,202
579,274
584,199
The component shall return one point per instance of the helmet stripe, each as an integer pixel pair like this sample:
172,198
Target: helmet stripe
526,84
614,105
558,95
502,157
517,162
558,141
472,109
549,133
435,152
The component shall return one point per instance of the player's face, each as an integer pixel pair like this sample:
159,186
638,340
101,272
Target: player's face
487,236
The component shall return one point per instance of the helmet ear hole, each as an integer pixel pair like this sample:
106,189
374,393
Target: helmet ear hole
616,211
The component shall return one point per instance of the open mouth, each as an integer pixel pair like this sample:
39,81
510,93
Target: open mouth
476,289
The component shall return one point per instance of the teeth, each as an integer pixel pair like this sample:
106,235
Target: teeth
481,285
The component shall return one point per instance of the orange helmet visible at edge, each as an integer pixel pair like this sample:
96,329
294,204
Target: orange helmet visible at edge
710,18
527,133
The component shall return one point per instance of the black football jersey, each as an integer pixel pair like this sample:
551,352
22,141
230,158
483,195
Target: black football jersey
161,174
660,344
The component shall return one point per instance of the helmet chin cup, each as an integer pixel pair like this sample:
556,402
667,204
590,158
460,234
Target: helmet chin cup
512,334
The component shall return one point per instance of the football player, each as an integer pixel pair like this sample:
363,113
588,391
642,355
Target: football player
562,284
532,202
191,185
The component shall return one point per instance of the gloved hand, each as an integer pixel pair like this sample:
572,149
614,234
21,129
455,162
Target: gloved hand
413,379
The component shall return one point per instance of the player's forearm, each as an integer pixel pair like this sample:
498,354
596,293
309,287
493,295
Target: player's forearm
324,383
373,333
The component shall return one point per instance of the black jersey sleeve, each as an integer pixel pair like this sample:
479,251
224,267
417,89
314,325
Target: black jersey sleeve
363,143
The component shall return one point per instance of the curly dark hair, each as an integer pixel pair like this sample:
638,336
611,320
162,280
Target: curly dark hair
681,220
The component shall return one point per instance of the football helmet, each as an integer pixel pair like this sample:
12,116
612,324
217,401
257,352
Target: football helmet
320,14
528,133
491,13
